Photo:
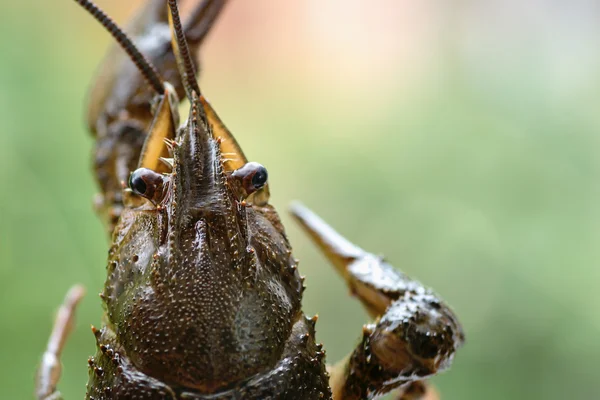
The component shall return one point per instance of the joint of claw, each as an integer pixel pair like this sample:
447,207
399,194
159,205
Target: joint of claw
417,336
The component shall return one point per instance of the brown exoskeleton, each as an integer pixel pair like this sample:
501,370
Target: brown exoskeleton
203,296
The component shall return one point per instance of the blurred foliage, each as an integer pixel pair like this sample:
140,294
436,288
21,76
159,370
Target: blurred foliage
481,180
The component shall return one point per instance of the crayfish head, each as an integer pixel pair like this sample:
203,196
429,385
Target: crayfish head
202,291
199,265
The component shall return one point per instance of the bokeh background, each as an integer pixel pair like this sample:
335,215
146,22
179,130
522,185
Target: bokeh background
458,138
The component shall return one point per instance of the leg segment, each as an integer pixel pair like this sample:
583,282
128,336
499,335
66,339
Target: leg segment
50,369
415,335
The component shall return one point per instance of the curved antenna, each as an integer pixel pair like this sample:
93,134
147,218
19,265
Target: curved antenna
206,13
182,52
141,62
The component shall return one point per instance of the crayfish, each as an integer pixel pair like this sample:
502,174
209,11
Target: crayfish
203,297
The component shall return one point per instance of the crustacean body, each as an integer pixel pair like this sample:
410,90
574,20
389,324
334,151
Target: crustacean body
203,296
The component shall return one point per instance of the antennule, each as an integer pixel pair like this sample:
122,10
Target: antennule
184,60
141,62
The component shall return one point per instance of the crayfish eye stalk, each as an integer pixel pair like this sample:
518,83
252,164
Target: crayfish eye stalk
148,184
251,177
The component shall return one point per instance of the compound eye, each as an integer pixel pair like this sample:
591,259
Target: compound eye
260,177
146,183
137,183
252,177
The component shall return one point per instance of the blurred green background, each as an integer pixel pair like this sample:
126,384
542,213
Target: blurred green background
458,138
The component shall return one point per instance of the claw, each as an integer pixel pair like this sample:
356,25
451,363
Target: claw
338,250
374,282
415,334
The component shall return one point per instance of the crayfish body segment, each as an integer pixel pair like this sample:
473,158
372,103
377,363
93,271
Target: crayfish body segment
203,296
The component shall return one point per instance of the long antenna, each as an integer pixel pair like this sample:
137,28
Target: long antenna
184,60
206,12
141,62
